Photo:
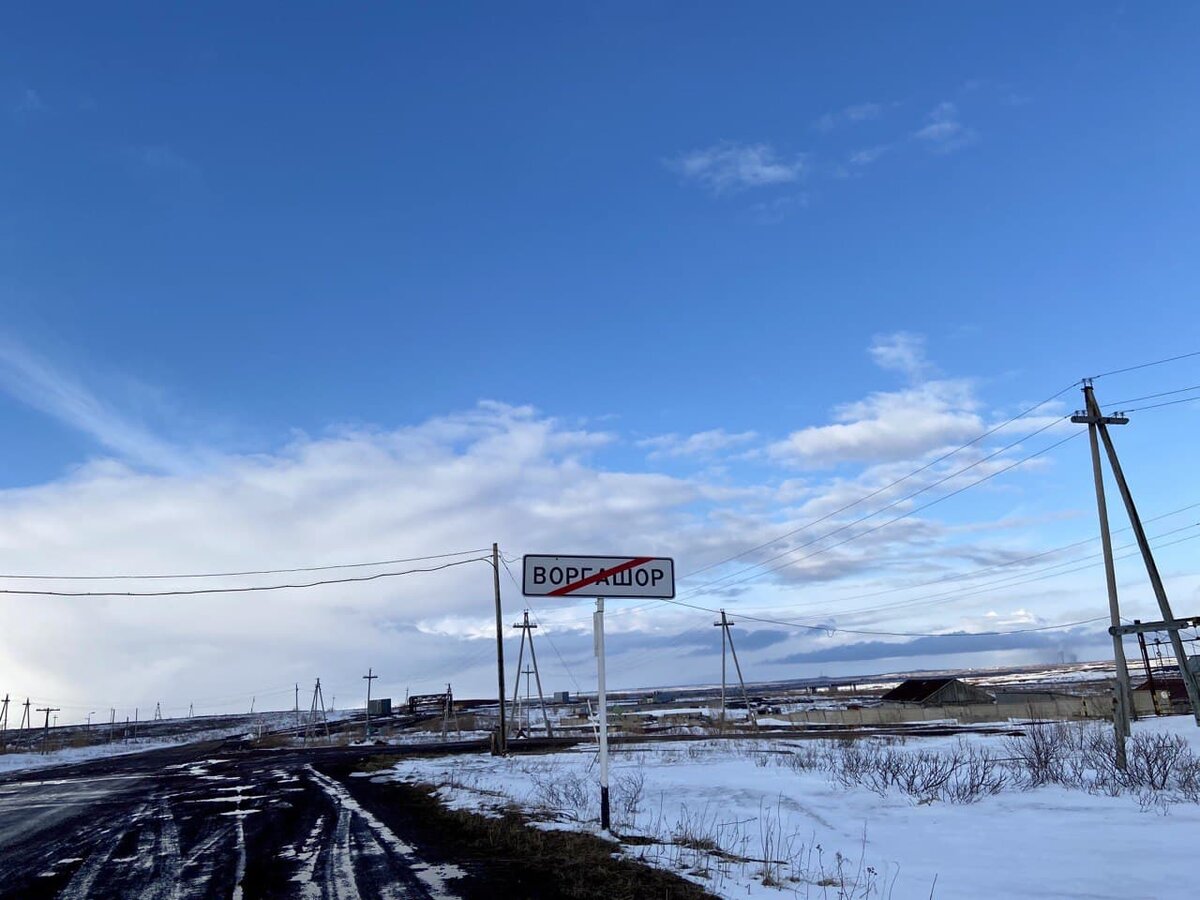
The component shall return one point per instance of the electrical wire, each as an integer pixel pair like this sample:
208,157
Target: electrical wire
1118,404
546,634
886,487
246,589
1157,405
707,588
140,577
724,581
831,629
1157,362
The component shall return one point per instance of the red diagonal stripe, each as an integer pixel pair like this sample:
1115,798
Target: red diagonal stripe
600,576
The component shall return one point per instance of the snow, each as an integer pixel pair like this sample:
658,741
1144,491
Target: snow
827,840
24,762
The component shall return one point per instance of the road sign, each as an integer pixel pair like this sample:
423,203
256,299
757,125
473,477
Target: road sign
599,576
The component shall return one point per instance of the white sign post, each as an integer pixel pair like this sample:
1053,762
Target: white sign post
645,577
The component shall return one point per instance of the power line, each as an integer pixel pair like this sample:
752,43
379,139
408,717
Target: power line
242,590
872,633
1157,362
360,565
705,588
545,633
1117,404
1157,405
978,573
888,486
1011,581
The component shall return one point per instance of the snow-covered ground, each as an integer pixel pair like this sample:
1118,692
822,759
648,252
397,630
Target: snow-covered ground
792,818
20,761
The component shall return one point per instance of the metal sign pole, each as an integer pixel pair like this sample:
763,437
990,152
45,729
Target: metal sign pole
602,699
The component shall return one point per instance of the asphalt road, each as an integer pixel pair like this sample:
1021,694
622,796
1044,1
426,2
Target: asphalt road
200,822
218,820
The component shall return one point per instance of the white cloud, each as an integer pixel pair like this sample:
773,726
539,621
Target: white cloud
943,132
868,155
702,443
902,352
38,383
727,167
859,112
888,425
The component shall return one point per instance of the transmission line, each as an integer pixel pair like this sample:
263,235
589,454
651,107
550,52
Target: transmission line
167,576
246,589
886,487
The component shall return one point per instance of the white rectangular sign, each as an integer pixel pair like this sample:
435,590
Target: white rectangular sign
599,576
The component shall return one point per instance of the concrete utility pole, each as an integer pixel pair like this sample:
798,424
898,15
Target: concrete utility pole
502,734
370,676
26,718
4,718
727,635
1124,695
724,626
1098,424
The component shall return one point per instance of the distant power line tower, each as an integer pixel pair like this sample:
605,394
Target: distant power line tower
317,707
727,638
158,711
527,628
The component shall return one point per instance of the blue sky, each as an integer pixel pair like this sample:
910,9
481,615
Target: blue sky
237,240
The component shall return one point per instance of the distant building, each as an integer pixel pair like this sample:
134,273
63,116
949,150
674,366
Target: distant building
936,692
562,696
380,707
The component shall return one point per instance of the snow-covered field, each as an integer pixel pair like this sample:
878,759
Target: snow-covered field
785,818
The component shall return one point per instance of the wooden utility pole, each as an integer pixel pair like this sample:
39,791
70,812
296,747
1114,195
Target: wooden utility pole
1124,696
501,745
369,677
46,739
4,719
26,718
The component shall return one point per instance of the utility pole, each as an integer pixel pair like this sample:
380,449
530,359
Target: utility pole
370,676
1160,593
602,703
502,735
1124,696
297,705
318,705
89,719
4,719
46,739
527,630
725,625
26,718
